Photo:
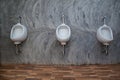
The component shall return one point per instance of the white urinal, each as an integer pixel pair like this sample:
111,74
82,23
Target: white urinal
63,33
18,33
105,34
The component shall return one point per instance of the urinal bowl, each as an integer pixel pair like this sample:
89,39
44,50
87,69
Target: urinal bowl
63,33
104,34
18,33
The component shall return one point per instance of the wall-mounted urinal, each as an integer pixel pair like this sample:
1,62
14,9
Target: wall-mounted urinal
63,33
18,34
105,35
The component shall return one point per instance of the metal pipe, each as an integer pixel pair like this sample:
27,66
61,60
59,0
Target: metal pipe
17,49
63,49
104,19
106,49
20,19
63,18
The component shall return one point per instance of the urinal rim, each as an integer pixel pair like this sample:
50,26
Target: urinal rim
16,25
57,33
61,26
99,33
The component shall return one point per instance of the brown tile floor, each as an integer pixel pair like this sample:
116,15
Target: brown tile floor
55,72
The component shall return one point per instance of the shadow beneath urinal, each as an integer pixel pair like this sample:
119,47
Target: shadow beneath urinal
104,49
59,48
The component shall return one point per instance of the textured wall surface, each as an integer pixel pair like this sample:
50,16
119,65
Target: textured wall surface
41,17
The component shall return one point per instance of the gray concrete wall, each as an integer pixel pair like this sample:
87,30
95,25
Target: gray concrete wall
41,17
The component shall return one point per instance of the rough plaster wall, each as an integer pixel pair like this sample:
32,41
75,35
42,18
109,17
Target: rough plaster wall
41,17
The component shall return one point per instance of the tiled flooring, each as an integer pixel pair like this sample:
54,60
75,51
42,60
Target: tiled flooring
55,72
